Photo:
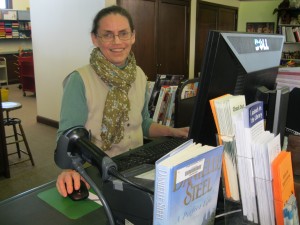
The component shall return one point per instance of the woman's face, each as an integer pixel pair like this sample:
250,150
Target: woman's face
115,51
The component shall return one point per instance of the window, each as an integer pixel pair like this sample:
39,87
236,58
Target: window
5,4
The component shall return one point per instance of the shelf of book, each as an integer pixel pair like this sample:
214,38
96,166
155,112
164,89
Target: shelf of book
288,20
15,24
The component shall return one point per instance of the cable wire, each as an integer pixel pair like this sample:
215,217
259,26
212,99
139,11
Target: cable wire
79,168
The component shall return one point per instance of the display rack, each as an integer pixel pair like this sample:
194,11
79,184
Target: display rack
15,24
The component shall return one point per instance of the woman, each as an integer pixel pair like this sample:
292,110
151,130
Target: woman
108,95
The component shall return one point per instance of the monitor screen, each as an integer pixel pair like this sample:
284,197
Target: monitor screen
234,63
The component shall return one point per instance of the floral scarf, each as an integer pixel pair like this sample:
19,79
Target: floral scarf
117,103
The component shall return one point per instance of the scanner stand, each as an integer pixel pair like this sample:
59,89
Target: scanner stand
127,203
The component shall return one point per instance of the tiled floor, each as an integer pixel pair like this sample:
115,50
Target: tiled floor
41,139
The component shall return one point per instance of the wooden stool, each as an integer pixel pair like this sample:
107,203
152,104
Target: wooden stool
16,124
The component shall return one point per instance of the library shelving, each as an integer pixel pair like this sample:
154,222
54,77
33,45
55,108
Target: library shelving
288,24
15,24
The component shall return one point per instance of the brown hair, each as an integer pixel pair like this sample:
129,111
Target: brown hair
111,10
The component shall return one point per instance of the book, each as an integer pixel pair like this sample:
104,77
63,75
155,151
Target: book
290,34
249,125
223,109
224,168
264,149
161,80
169,118
160,103
167,107
290,211
283,183
150,85
187,185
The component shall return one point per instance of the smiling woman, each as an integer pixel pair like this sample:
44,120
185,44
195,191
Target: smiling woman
107,96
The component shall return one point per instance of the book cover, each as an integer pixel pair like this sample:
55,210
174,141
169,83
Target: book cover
223,109
161,80
290,211
224,167
187,185
169,118
290,34
164,105
160,102
249,124
283,183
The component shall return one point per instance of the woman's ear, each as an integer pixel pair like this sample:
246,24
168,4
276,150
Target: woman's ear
133,37
94,39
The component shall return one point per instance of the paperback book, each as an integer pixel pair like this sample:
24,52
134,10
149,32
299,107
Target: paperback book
223,109
283,188
162,80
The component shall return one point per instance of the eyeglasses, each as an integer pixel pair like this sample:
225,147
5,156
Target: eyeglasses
109,37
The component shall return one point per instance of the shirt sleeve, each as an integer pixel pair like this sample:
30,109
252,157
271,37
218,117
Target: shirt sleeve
147,121
74,110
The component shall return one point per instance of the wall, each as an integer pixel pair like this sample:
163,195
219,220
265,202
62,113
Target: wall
62,57
234,3
61,43
20,4
257,11
248,11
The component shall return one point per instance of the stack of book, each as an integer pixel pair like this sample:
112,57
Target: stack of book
2,30
288,76
8,29
257,154
15,29
291,33
223,109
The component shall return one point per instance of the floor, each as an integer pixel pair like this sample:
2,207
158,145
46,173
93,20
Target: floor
42,142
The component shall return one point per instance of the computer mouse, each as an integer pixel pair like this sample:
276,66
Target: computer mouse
80,194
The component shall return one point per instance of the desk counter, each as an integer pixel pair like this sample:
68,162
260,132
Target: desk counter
28,208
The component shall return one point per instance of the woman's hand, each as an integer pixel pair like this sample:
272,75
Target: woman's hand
65,180
158,130
182,132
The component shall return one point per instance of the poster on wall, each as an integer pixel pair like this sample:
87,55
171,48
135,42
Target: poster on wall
260,27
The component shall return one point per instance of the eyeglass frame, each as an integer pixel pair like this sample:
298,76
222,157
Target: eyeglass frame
114,36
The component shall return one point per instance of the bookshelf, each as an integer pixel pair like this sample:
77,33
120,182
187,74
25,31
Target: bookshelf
288,24
15,24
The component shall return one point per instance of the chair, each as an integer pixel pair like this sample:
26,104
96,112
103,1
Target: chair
18,135
184,102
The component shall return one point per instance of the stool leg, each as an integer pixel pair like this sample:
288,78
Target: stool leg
26,144
17,140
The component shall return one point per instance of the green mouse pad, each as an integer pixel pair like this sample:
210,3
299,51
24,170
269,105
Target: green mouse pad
71,209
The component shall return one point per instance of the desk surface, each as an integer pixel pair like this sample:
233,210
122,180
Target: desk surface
28,208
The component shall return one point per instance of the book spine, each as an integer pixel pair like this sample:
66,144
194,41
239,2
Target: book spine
161,206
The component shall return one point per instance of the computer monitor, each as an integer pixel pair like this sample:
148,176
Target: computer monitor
234,63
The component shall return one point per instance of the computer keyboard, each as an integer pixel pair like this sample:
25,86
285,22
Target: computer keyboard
148,153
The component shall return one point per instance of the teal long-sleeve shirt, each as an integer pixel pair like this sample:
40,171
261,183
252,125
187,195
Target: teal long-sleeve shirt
74,109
